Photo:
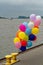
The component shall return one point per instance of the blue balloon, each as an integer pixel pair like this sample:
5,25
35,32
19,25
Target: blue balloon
29,43
32,37
28,31
23,48
26,24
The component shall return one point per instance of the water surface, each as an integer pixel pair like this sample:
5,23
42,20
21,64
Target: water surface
8,29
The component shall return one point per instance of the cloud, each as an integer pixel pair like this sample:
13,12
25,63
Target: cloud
22,2
15,8
14,2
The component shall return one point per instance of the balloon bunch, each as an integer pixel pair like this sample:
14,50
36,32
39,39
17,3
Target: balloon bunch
27,33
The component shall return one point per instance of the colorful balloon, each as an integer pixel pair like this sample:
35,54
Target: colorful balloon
33,17
17,33
21,35
26,38
23,48
23,43
35,30
38,17
32,37
26,24
28,31
30,25
22,27
36,27
18,45
16,40
35,38
37,23
29,43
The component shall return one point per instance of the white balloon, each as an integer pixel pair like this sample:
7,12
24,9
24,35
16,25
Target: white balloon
38,17
30,25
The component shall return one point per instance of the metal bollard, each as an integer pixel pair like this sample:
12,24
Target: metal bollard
11,59
14,58
8,60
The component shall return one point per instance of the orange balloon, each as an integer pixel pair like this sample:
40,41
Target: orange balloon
36,26
17,33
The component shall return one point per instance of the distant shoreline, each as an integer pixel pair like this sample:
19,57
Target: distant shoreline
19,17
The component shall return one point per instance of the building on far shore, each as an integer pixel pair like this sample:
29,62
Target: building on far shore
22,17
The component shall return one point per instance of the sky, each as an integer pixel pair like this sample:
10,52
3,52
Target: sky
15,8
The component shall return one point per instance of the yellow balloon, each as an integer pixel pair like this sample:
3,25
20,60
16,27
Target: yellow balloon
21,35
35,30
16,40
26,37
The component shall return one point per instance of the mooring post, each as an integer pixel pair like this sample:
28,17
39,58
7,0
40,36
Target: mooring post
14,58
8,60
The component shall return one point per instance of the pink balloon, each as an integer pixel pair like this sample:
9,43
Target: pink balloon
37,23
18,45
22,27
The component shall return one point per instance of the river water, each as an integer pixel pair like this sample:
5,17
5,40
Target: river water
8,29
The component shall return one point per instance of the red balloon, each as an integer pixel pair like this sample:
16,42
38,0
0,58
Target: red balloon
23,43
35,38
